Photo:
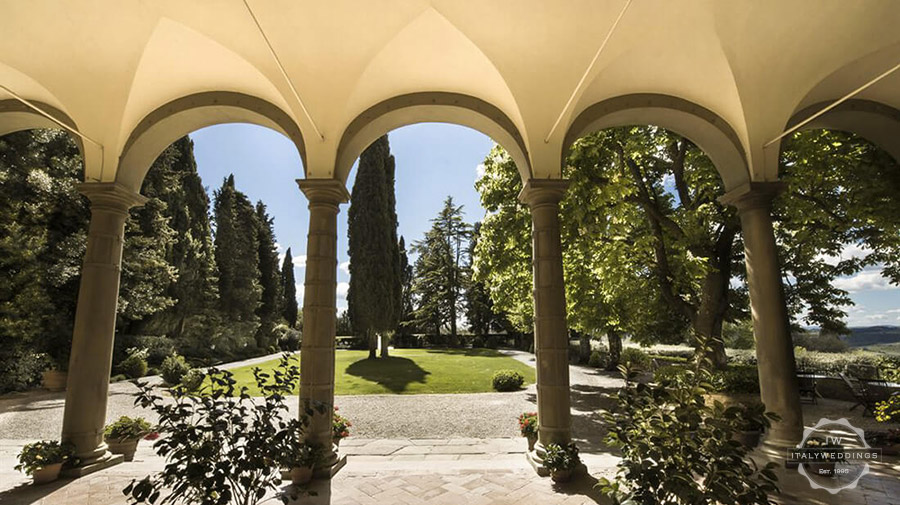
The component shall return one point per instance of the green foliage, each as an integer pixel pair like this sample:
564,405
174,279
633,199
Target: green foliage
236,253
173,369
440,271
738,335
559,458
270,307
888,410
507,380
220,450
135,365
528,424
373,297
21,369
676,449
737,379
633,357
340,426
193,379
822,342
289,290
37,455
127,428
597,360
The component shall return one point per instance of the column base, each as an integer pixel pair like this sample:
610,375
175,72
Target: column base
105,461
329,471
536,460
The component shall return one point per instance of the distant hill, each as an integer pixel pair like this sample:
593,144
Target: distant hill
873,335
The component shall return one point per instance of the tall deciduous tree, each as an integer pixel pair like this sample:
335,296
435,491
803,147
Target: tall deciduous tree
289,289
440,270
406,323
374,290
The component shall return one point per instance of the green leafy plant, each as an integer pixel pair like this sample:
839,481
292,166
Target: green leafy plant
219,449
597,360
678,450
635,358
888,410
340,426
507,380
135,365
173,368
528,424
560,459
37,455
127,428
193,379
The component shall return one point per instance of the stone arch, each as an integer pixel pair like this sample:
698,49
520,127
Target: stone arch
168,123
874,121
425,107
701,126
16,116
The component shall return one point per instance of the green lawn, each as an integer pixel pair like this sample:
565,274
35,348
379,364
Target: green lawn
410,371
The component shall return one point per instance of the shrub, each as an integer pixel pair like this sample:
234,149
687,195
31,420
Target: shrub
127,428
118,378
820,342
158,347
288,338
738,379
21,369
528,424
173,369
193,379
635,358
560,458
200,429
135,365
507,380
37,455
888,410
665,429
597,360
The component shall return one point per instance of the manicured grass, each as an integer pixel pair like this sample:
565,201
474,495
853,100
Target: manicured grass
409,371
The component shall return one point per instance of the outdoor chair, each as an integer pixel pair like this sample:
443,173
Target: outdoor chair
866,395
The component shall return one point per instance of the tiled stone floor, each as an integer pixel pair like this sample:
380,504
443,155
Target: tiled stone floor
401,471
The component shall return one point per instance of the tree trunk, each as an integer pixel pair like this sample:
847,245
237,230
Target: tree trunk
584,347
373,344
615,349
385,340
710,317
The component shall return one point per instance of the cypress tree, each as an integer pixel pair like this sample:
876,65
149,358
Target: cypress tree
269,310
236,253
289,290
373,295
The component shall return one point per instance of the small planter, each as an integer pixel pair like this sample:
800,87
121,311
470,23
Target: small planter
301,474
47,474
532,439
749,439
126,448
54,380
561,475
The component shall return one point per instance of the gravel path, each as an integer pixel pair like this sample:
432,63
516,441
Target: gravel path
483,415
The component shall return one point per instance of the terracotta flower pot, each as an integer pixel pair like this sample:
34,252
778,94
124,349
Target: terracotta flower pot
54,380
301,474
125,447
561,475
532,439
47,474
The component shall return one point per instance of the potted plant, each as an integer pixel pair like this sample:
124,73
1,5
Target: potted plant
123,436
301,461
528,427
43,460
340,427
55,377
750,424
822,468
561,461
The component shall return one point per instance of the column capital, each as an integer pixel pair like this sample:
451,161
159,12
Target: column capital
753,195
329,191
538,192
110,196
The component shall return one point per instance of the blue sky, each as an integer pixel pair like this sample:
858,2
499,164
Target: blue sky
433,161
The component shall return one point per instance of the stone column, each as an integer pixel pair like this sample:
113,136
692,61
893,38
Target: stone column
320,312
90,361
779,389
550,330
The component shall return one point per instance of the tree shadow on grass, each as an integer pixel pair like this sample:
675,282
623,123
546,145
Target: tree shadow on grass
393,373
487,353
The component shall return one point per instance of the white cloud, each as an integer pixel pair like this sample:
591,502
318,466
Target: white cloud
300,261
300,289
479,171
342,288
849,251
345,266
278,247
867,280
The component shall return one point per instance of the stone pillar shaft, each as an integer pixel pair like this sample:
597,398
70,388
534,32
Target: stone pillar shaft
90,361
779,388
550,329
320,307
